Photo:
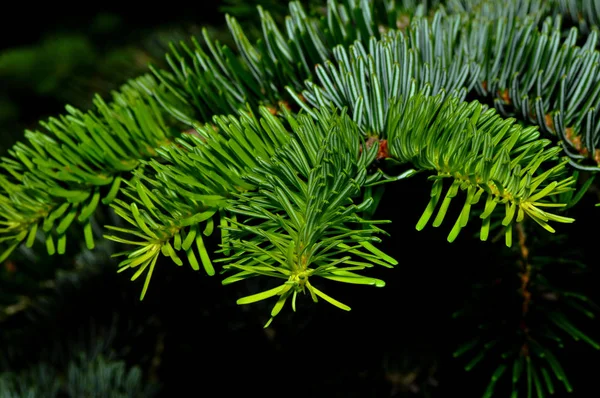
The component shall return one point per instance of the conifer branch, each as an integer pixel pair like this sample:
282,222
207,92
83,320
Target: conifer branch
190,186
399,64
546,312
481,153
62,174
489,9
115,141
585,14
543,78
286,136
304,224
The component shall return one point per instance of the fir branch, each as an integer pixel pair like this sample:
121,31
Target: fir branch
84,377
585,14
211,78
302,222
267,171
481,153
256,64
559,90
546,311
537,9
284,187
399,64
78,162
225,164
96,169
190,186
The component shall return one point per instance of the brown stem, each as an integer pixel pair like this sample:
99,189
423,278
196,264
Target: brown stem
525,279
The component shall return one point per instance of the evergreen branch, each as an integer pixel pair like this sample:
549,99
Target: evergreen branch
584,13
496,157
83,377
534,367
298,222
77,189
231,161
399,64
80,160
217,81
491,9
190,186
210,79
560,88
285,188
101,157
481,153
546,318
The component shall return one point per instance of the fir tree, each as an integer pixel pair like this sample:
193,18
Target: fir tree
268,161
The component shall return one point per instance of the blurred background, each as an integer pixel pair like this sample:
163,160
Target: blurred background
64,56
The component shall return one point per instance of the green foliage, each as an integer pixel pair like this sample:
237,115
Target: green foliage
528,358
102,378
283,143
585,14
83,378
558,90
27,67
399,64
481,153
302,221
63,174
536,9
37,382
